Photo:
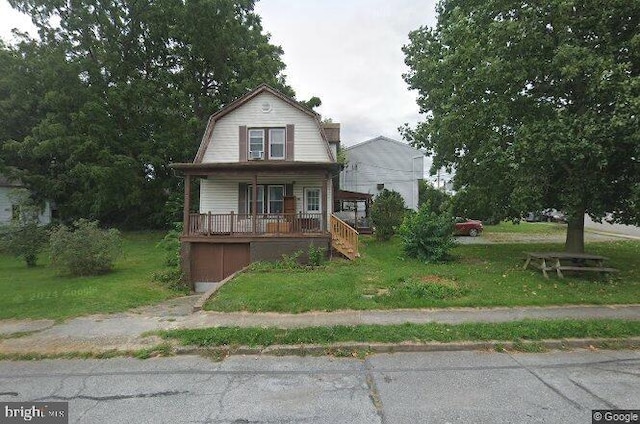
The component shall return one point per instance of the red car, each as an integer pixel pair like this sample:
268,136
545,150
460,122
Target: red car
468,227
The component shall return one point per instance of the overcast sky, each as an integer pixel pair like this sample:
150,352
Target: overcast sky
347,52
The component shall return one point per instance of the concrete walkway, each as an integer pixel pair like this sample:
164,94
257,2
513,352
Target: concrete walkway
125,331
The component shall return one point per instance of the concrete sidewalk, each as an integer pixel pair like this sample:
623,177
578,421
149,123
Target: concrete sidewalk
125,331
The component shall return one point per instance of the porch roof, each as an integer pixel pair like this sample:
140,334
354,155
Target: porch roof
352,196
253,167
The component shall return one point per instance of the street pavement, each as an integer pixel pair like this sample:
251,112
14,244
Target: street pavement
437,387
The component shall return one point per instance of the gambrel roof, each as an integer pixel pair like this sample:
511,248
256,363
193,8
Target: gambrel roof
262,88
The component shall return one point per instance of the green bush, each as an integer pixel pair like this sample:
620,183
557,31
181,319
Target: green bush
84,249
295,261
317,255
387,212
23,241
291,261
172,277
428,235
24,237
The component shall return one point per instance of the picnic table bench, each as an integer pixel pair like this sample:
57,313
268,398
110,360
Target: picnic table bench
563,261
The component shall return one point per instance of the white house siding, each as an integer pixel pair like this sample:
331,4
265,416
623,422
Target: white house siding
5,205
384,161
308,143
220,196
6,208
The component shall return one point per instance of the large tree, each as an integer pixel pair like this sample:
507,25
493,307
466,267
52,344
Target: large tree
535,104
119,89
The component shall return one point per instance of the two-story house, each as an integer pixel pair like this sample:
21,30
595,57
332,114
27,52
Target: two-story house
265,166
383,163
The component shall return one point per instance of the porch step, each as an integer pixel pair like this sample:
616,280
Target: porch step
344,239
344,248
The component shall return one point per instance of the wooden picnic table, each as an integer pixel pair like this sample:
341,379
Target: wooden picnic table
563,261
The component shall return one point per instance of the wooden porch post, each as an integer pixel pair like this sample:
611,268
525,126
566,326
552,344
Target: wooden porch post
355,218
324,202
187,203
254,202
367,205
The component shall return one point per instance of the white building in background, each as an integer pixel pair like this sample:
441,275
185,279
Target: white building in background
9,210
382,163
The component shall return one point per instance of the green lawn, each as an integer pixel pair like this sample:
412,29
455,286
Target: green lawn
507,227
41,293
481,275
432,332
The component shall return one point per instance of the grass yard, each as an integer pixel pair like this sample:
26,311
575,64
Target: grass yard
507,232
481,276
40,293
530,330
545,228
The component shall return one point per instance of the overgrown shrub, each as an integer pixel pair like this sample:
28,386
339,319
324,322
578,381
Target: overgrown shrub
172,277
295,261
291,261
84,248
24,241
317,255
24,237
387,212
428,235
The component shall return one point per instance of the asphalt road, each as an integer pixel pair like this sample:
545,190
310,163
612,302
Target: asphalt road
438,387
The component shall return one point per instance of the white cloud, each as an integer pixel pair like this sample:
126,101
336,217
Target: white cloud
348,53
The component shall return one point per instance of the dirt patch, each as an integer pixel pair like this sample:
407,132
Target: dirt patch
179,306
436,279
382,292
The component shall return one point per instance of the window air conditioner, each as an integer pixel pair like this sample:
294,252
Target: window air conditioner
256,155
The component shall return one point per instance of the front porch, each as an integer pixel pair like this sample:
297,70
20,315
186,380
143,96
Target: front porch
257,211
259,225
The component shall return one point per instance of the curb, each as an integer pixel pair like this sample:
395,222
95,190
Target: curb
354,349
346,350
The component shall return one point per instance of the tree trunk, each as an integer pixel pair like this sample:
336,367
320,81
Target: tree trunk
575,234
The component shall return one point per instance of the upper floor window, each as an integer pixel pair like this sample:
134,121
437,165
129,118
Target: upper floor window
276,143
256,143
267,143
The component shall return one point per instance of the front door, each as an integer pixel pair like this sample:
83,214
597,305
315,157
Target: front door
290,205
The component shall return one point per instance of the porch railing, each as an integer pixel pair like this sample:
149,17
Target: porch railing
233,224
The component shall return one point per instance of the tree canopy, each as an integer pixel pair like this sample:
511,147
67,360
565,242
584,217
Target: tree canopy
94,111
535,104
